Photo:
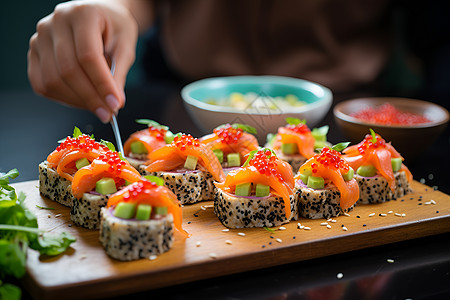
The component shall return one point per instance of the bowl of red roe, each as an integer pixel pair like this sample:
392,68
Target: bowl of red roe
411,125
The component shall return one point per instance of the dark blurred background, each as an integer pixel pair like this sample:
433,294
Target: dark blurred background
30,125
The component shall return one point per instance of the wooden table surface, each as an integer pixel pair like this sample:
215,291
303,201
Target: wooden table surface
85,271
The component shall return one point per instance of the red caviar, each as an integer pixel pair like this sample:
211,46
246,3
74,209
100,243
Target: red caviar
331,159
140,187
83,142
228,134
113,160
185,140
159,133
368,143
387,114
299,128
265,162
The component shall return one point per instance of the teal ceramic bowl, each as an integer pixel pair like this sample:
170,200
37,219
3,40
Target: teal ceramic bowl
268,115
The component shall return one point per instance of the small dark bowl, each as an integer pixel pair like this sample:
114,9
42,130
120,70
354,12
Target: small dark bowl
409,140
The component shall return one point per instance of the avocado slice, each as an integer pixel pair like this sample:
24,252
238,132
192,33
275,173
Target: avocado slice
396,164
315,182
367,171
219,154
125,210
82,162
289,149
349,175
243,189
191,162
143,212
262,190
138,147
234,160
105,186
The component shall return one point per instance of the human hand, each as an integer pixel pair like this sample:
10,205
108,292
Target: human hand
66,58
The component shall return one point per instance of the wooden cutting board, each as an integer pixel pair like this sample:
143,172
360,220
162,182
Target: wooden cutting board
85,271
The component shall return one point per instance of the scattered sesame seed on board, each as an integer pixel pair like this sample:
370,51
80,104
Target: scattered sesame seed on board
225,230
306,228
324,224
339,275
58,215
398,215
279,240
333,221
344,228
433,202
228,242
328,226
198,244
213,255
241,234
202,207
390,212
371,214
346,214
208,206
152,257
403,215
383,215
282,228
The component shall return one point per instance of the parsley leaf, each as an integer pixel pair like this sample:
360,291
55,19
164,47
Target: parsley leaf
341,146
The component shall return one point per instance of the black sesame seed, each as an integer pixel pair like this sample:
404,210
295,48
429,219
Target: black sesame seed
358,217
437,211
364,225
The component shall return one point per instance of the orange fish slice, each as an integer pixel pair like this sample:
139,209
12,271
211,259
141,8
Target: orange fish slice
86,178
173,156
145,192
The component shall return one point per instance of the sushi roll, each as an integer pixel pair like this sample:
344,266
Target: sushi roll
380,172
324,185
139,221
140,144
231,143
57,171
93,184
188,168
259,194
295,143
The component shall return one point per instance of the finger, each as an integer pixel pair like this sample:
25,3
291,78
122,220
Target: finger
90,55
73,75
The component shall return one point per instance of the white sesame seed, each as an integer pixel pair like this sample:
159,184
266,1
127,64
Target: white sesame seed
371,214
333,221
390,260
225,230
383,215
208,206
398,215
346,214
433,202
339,275
403,215
329,220
344,228
427,203
152,257
329,226
324,224
202,207
300,226
228,242
213,255
241,233
83,257
282,228
390,212
279,240
198,244
58,215
307,228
